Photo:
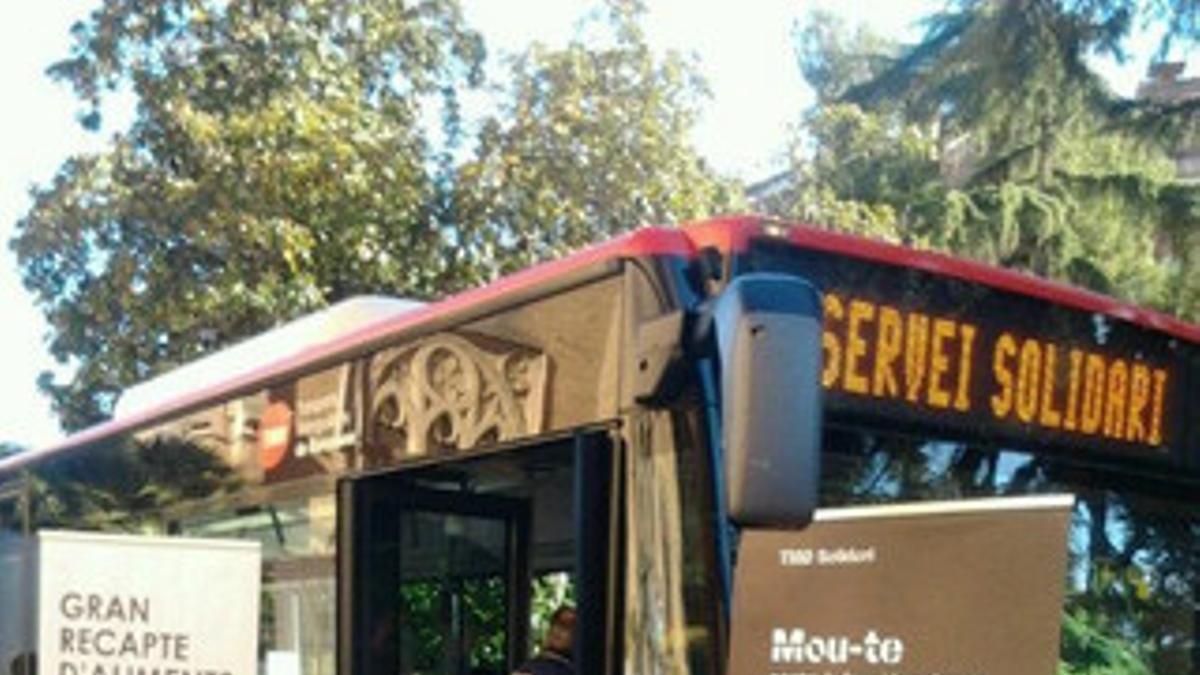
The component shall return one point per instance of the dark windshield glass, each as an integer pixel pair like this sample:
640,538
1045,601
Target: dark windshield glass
1131,587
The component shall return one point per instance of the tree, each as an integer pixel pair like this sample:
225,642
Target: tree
1015,72
277,162
591,141
281,159
991,138
835,59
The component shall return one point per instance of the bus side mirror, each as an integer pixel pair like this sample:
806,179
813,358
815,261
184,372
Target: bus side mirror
768,332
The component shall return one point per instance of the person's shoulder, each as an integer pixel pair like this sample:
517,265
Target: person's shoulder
545,664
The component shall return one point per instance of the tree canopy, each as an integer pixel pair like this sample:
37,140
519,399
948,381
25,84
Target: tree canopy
285,155
590,140
276,162
993,138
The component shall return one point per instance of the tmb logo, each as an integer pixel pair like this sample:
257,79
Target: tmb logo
796,646
274,435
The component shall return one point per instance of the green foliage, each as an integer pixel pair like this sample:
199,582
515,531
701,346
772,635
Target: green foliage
1014,73
864,173
124,487
485,603
282,159
276,163
591,141
833,59
549,592
1088,651
425,643
992,139
420,605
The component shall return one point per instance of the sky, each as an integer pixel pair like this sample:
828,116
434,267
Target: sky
744,51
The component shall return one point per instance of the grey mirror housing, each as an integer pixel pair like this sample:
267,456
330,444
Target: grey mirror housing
768,332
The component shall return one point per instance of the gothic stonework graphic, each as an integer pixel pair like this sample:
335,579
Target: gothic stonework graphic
452,392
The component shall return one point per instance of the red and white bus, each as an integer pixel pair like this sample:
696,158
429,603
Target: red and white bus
425,480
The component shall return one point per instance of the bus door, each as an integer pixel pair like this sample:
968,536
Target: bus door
455,567
433,579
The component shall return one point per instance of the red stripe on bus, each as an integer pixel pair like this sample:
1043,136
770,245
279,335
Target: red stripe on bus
734,234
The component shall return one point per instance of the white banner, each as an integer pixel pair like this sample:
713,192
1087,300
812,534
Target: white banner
132,605
969,587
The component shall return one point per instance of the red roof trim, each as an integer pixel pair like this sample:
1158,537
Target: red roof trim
999,278
735,234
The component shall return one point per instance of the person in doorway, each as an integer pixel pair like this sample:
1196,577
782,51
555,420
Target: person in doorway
554,658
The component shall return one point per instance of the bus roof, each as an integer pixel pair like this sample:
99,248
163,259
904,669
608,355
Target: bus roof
731,235
288,340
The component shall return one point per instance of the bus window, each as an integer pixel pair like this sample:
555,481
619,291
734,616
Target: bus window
297,538
455,568
1132,589
16,582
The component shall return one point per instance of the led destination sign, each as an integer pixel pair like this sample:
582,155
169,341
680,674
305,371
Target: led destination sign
941,363
912,349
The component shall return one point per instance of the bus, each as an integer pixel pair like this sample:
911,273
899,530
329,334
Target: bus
428,481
